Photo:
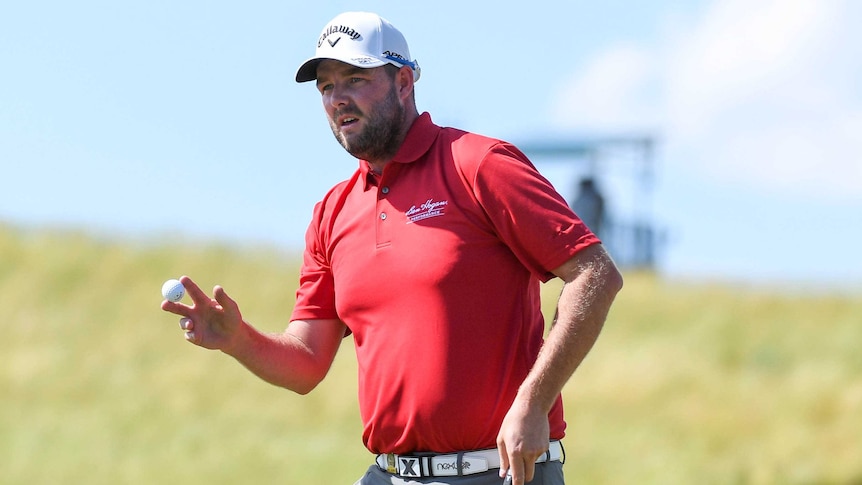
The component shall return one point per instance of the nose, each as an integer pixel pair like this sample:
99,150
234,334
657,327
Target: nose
338,96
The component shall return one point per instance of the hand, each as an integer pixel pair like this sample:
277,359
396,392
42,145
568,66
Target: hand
523,438
212,323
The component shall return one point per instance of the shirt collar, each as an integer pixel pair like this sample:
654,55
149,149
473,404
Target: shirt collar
418,141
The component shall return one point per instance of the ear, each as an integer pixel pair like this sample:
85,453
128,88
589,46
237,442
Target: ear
404,82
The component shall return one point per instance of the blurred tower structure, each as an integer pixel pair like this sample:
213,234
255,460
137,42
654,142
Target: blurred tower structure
610,187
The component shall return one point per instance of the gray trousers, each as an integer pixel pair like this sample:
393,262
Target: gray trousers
549,473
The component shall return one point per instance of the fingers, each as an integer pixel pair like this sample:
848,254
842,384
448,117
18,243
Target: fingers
518,472
207,322
529,469
198,297
511,465
188,325
516,466
504,459
185,311
194,291
228,305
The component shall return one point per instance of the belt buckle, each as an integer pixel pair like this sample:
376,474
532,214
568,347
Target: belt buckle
391,466
409,466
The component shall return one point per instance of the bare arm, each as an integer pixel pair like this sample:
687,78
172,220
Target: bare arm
297,359
591,284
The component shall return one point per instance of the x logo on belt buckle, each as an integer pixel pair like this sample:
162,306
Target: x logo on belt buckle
408,465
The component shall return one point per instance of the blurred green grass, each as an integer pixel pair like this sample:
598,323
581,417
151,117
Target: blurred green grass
689,383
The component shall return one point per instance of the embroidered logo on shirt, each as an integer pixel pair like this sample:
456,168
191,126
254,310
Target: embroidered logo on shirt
429,208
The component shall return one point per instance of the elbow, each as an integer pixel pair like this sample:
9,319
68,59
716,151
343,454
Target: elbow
303,388
615,280
606,275
307,384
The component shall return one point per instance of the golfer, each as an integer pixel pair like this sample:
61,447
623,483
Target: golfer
431,255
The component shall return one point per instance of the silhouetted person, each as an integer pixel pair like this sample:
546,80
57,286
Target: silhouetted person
589,205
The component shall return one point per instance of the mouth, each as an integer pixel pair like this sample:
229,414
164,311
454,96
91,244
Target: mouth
345,119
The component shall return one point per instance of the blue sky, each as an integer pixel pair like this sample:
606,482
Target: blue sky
181,119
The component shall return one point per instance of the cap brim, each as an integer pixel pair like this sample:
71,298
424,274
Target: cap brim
308,70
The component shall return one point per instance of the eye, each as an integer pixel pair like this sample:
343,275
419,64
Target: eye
324,88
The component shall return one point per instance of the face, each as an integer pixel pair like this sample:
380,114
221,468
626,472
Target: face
364,110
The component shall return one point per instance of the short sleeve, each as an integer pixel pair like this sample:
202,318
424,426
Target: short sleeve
527,212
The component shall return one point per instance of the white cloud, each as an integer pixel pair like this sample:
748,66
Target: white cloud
756,93
614,90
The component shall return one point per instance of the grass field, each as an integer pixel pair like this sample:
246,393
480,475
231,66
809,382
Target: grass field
689,383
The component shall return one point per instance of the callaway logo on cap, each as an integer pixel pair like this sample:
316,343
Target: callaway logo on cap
360,39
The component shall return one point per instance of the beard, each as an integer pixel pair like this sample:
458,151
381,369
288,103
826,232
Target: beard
381,138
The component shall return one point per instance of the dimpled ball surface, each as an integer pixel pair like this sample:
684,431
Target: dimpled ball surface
173,290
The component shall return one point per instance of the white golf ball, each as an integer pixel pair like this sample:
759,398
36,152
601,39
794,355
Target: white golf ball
173,290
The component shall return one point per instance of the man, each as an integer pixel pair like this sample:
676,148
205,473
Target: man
589,204
431,256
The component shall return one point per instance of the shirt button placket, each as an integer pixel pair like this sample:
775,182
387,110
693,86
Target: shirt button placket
383,231
384,190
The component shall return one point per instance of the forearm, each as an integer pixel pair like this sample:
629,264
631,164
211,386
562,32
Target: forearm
592,282
293,359
582,310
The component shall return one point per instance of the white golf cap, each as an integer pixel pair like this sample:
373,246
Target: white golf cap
360,39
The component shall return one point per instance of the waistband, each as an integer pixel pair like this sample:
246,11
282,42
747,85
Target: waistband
454,464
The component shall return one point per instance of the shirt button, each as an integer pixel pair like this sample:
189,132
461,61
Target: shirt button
382,216
385,190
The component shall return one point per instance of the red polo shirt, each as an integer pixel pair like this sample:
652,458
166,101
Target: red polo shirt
434,266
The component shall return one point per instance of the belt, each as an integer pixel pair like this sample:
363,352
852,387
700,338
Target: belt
453,464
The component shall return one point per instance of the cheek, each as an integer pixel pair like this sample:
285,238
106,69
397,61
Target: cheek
327,101
329,111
